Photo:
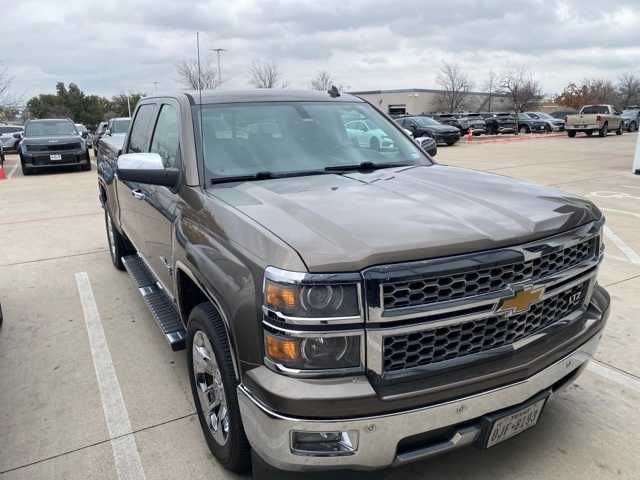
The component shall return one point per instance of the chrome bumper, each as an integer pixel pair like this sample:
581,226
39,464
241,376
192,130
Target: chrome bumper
270,433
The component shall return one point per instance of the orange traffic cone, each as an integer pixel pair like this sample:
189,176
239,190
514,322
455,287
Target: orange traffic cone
3,176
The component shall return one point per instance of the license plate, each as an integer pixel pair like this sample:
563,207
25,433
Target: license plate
55,157
515,423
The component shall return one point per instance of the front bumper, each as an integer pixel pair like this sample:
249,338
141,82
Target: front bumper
377,437
43,160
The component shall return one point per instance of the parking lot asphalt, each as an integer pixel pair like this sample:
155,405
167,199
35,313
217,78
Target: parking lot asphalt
52,418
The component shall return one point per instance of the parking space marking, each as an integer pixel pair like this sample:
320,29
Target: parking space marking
123,443
631,255
615,210
611,373
13,170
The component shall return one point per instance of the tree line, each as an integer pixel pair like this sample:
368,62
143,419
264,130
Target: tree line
520,85
70,101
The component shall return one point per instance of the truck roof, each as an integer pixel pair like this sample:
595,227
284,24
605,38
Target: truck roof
260,95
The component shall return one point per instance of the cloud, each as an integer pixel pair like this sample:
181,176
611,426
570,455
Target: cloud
127,45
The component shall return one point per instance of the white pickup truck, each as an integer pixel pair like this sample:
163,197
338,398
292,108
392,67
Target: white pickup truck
594,118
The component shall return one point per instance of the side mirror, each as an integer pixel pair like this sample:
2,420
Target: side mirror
146,168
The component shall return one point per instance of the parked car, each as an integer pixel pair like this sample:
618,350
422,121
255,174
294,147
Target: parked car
528,124
428,144
97,135
472,120
562,114
52,143
84,133
10,136
110,144
365,134
450,119
595,118
423,126
499,122
344,306
631,119
552,124
118,126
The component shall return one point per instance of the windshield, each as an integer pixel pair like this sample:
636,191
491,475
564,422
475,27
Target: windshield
630,112
120,126
10,129
595,109
426,121
50,128
246,139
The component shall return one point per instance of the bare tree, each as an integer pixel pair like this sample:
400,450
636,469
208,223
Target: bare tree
628,90
5,83
455,87
266,75
322,81
189,76
492,86
525,91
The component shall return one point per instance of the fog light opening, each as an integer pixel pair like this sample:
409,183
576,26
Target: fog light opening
324,444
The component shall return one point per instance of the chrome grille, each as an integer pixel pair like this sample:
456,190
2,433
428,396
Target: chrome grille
424,291
446,343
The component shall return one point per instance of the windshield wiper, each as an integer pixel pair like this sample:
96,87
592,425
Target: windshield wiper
365,166
265,175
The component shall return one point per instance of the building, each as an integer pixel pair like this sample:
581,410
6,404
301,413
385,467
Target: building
413,101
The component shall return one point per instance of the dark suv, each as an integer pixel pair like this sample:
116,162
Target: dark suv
52,143
344,306
499,122
423,126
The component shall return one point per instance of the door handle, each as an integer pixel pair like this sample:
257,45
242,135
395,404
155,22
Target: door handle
138,194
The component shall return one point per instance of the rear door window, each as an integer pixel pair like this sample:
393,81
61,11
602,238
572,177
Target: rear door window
141,131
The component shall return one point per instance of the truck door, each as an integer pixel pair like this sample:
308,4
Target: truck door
159,205
131,195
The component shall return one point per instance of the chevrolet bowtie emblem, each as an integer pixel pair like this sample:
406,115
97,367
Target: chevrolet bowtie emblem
521,302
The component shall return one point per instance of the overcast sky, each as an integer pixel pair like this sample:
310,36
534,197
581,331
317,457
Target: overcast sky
115,46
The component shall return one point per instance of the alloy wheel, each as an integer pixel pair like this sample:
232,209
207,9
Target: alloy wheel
211,395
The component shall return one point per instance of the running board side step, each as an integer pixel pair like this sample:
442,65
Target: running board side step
162,309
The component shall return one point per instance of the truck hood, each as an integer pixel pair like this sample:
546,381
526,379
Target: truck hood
352,221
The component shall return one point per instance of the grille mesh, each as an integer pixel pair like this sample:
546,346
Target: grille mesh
455,341
450,287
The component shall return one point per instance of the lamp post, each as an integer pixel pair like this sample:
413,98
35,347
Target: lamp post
219,54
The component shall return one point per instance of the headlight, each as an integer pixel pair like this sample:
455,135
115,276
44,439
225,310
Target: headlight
313,323
293,352
311,297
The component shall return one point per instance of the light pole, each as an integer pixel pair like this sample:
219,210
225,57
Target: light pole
219,54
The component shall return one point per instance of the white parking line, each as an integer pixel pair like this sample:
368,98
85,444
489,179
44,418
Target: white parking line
614,374
13,170
626,212
631,255
123,442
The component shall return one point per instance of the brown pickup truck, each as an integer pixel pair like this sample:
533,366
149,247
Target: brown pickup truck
346,306
595,118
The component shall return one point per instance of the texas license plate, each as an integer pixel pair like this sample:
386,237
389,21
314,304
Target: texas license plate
514,423
55,157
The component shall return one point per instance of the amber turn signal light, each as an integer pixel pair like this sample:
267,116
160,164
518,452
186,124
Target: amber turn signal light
280,296
282,349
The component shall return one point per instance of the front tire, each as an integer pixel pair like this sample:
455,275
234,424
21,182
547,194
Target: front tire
571,134
619,130
213,384
523,130
118,245
633,126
